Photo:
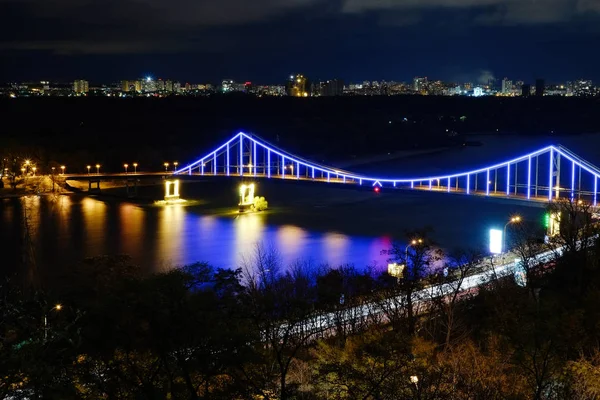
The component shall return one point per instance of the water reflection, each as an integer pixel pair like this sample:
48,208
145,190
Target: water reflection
335,247
171,234
248,234
291,242
131,229
93,213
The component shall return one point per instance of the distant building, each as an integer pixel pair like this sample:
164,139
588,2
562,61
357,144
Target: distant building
583,87
125,86
333,87
160,85
420,85
177,87
298,86
506,86
526,90
81,86
148,85
169,86
138,86
540,87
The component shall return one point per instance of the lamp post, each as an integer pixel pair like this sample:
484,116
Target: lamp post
22,171
53,179
415,381
34,169
135,167
62,167
413,242
166,166
88,168
98,169
125,165
175,164
513,220
57,307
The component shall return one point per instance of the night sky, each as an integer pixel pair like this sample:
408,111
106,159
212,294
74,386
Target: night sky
264,41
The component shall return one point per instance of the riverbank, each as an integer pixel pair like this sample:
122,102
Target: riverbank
43,185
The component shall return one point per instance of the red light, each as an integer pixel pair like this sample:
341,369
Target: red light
376,189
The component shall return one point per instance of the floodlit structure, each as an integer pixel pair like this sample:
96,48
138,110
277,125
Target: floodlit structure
542,175
246,196
171,190
396,270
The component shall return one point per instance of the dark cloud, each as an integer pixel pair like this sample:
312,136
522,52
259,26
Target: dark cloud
225,36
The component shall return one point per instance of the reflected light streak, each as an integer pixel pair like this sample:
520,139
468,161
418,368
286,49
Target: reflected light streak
291,241
94,219
335,249
248,234
131,221
170,249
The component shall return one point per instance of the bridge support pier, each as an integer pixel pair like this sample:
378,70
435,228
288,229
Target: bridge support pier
91,182
131,187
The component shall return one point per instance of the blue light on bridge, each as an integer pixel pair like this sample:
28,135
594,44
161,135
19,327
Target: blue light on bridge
329,174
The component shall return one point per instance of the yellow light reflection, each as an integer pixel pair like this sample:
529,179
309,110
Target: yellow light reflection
94,220
291,240
336,248
170,249
248,234
131,219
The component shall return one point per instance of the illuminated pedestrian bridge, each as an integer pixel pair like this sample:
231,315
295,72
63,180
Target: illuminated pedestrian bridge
543,175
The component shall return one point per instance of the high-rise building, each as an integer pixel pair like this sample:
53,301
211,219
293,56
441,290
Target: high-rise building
540,87
298,86
583,87
125,86
138,86
506,86
169,86
177,87
333,87
420,85
160,85
81,86
526,90
148,85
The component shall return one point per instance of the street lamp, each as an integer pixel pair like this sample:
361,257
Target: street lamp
57,307
88,168
98,169
166,166
62,167
513,220
413,242
125,165
135,167
22,171
175,164
34,169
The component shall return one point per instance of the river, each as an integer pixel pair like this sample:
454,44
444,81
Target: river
316,223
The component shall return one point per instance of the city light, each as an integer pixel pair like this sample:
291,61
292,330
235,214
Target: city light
125,166
88,168
62,167
98,169
135,165
495,241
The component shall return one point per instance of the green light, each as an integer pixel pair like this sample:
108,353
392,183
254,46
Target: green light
546,220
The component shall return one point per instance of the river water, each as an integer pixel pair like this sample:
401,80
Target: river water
308,222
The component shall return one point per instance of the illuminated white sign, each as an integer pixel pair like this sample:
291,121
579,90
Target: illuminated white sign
495,241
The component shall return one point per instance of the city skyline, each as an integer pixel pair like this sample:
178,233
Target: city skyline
454,40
